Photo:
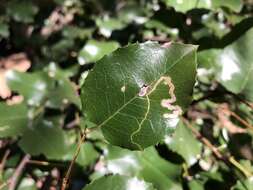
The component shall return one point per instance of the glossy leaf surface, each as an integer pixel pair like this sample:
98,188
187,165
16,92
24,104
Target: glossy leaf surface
118,182
233,65
147,165
185,144
95,50
137,93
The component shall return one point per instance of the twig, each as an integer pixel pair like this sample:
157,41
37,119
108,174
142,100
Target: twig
239,166
204,140
18,171
66,178
2,164
37,162
45,163
216,151
241,120
249,104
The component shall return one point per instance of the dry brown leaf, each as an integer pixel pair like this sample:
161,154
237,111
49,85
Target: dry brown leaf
224,114
4,89
18,62
15,100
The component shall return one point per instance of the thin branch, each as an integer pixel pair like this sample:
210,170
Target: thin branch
249,104
241,120
18,171
216,151
239,166
37,162
204,140
45,163
66,178
2,164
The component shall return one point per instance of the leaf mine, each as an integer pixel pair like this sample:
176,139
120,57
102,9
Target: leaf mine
147,87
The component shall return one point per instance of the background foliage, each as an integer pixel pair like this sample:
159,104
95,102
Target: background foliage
48,47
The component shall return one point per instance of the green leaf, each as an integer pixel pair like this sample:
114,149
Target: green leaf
44,138
185,144
52,88
196,185
64,91
147,165
108,25
186,5
133,12
76,32
127,92
87,155
22,11
13,119
95,50
4,30
161,28
60,50
33,86
27,184
117,182
233,65
243,185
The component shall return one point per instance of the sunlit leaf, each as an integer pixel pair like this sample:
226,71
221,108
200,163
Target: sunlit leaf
95,50
126,93
147,165
234,66
51,88
118,182
185,144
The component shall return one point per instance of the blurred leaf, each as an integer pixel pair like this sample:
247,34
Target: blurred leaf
4,30
95,50
44,138
186,5
147,165
114,93
76,32
22,10
243,185
65,92
87,155
13,119
196,185
234,65
185,144
107,25
162,28
60,50
133,12
39,88
27,184
118,182
33,86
